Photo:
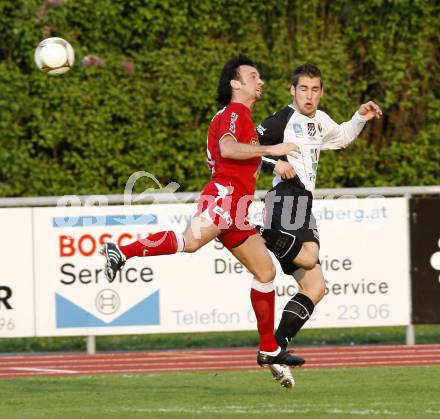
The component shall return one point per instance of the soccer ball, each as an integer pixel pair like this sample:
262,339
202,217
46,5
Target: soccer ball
54,56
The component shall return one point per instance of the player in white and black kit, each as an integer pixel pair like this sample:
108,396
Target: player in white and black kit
290,228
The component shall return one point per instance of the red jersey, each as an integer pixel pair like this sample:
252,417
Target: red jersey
235,120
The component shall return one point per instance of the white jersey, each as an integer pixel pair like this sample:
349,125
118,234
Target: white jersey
311,134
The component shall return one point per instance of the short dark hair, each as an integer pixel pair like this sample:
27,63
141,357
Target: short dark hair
230,72
307,69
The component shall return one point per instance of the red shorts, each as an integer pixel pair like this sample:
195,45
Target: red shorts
226,205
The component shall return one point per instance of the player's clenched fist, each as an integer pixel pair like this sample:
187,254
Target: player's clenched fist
370,110
284,170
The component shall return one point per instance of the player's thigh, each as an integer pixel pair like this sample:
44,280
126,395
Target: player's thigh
199,232
307,256
255,257
311,283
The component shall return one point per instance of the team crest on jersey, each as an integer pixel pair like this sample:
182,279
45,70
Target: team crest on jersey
320,128
254,141
234,118
311,130
297,130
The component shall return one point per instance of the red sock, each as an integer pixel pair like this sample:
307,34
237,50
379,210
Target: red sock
155,244
264,307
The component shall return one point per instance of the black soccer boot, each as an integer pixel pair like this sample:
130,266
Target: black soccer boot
284,358
115,260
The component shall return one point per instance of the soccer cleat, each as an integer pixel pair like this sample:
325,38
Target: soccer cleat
115,260
282,374
283,358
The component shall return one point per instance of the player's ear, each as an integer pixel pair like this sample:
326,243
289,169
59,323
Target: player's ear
322,92
235,84
292,90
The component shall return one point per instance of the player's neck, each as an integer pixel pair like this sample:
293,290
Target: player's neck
248,102
294,106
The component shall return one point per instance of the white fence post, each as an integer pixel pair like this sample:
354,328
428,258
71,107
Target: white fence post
410,338
410,331
91,345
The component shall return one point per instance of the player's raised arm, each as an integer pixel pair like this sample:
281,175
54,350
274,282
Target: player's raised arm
232,149
341,135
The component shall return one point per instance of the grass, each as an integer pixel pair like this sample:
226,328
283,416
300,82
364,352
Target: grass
349,336
403,392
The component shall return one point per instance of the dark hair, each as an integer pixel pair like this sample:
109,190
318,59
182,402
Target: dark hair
230,72
307,69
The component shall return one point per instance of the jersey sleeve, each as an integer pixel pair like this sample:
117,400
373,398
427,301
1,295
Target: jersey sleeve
271,132
231,123
341,135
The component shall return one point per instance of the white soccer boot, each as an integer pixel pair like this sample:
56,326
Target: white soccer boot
282,374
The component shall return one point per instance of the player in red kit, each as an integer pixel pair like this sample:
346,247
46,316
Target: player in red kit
234,156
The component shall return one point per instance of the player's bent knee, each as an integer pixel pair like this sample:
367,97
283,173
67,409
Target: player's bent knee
308,256
266,275
309,262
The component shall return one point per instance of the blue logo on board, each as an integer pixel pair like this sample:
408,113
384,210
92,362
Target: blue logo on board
144,313
104,220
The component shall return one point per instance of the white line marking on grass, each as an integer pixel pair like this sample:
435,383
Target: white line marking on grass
221,410
374,412
44,370
173,370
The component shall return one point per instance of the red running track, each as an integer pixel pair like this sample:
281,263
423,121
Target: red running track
213,360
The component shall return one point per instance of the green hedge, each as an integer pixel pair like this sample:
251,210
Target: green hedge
149,108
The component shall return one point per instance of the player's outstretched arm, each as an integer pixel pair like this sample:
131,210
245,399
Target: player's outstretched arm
232,149
370,110
341,135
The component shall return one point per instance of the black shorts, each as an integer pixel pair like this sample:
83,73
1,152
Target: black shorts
288,207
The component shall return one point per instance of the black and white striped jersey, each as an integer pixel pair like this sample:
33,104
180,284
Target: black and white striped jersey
311,134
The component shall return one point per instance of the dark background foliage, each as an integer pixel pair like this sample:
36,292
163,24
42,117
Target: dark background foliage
148,102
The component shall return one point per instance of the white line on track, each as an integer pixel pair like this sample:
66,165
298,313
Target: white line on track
44,370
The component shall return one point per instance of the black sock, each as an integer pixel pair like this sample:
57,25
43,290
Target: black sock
283,245
296,312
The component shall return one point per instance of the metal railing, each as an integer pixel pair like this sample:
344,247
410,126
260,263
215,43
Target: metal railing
188,197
